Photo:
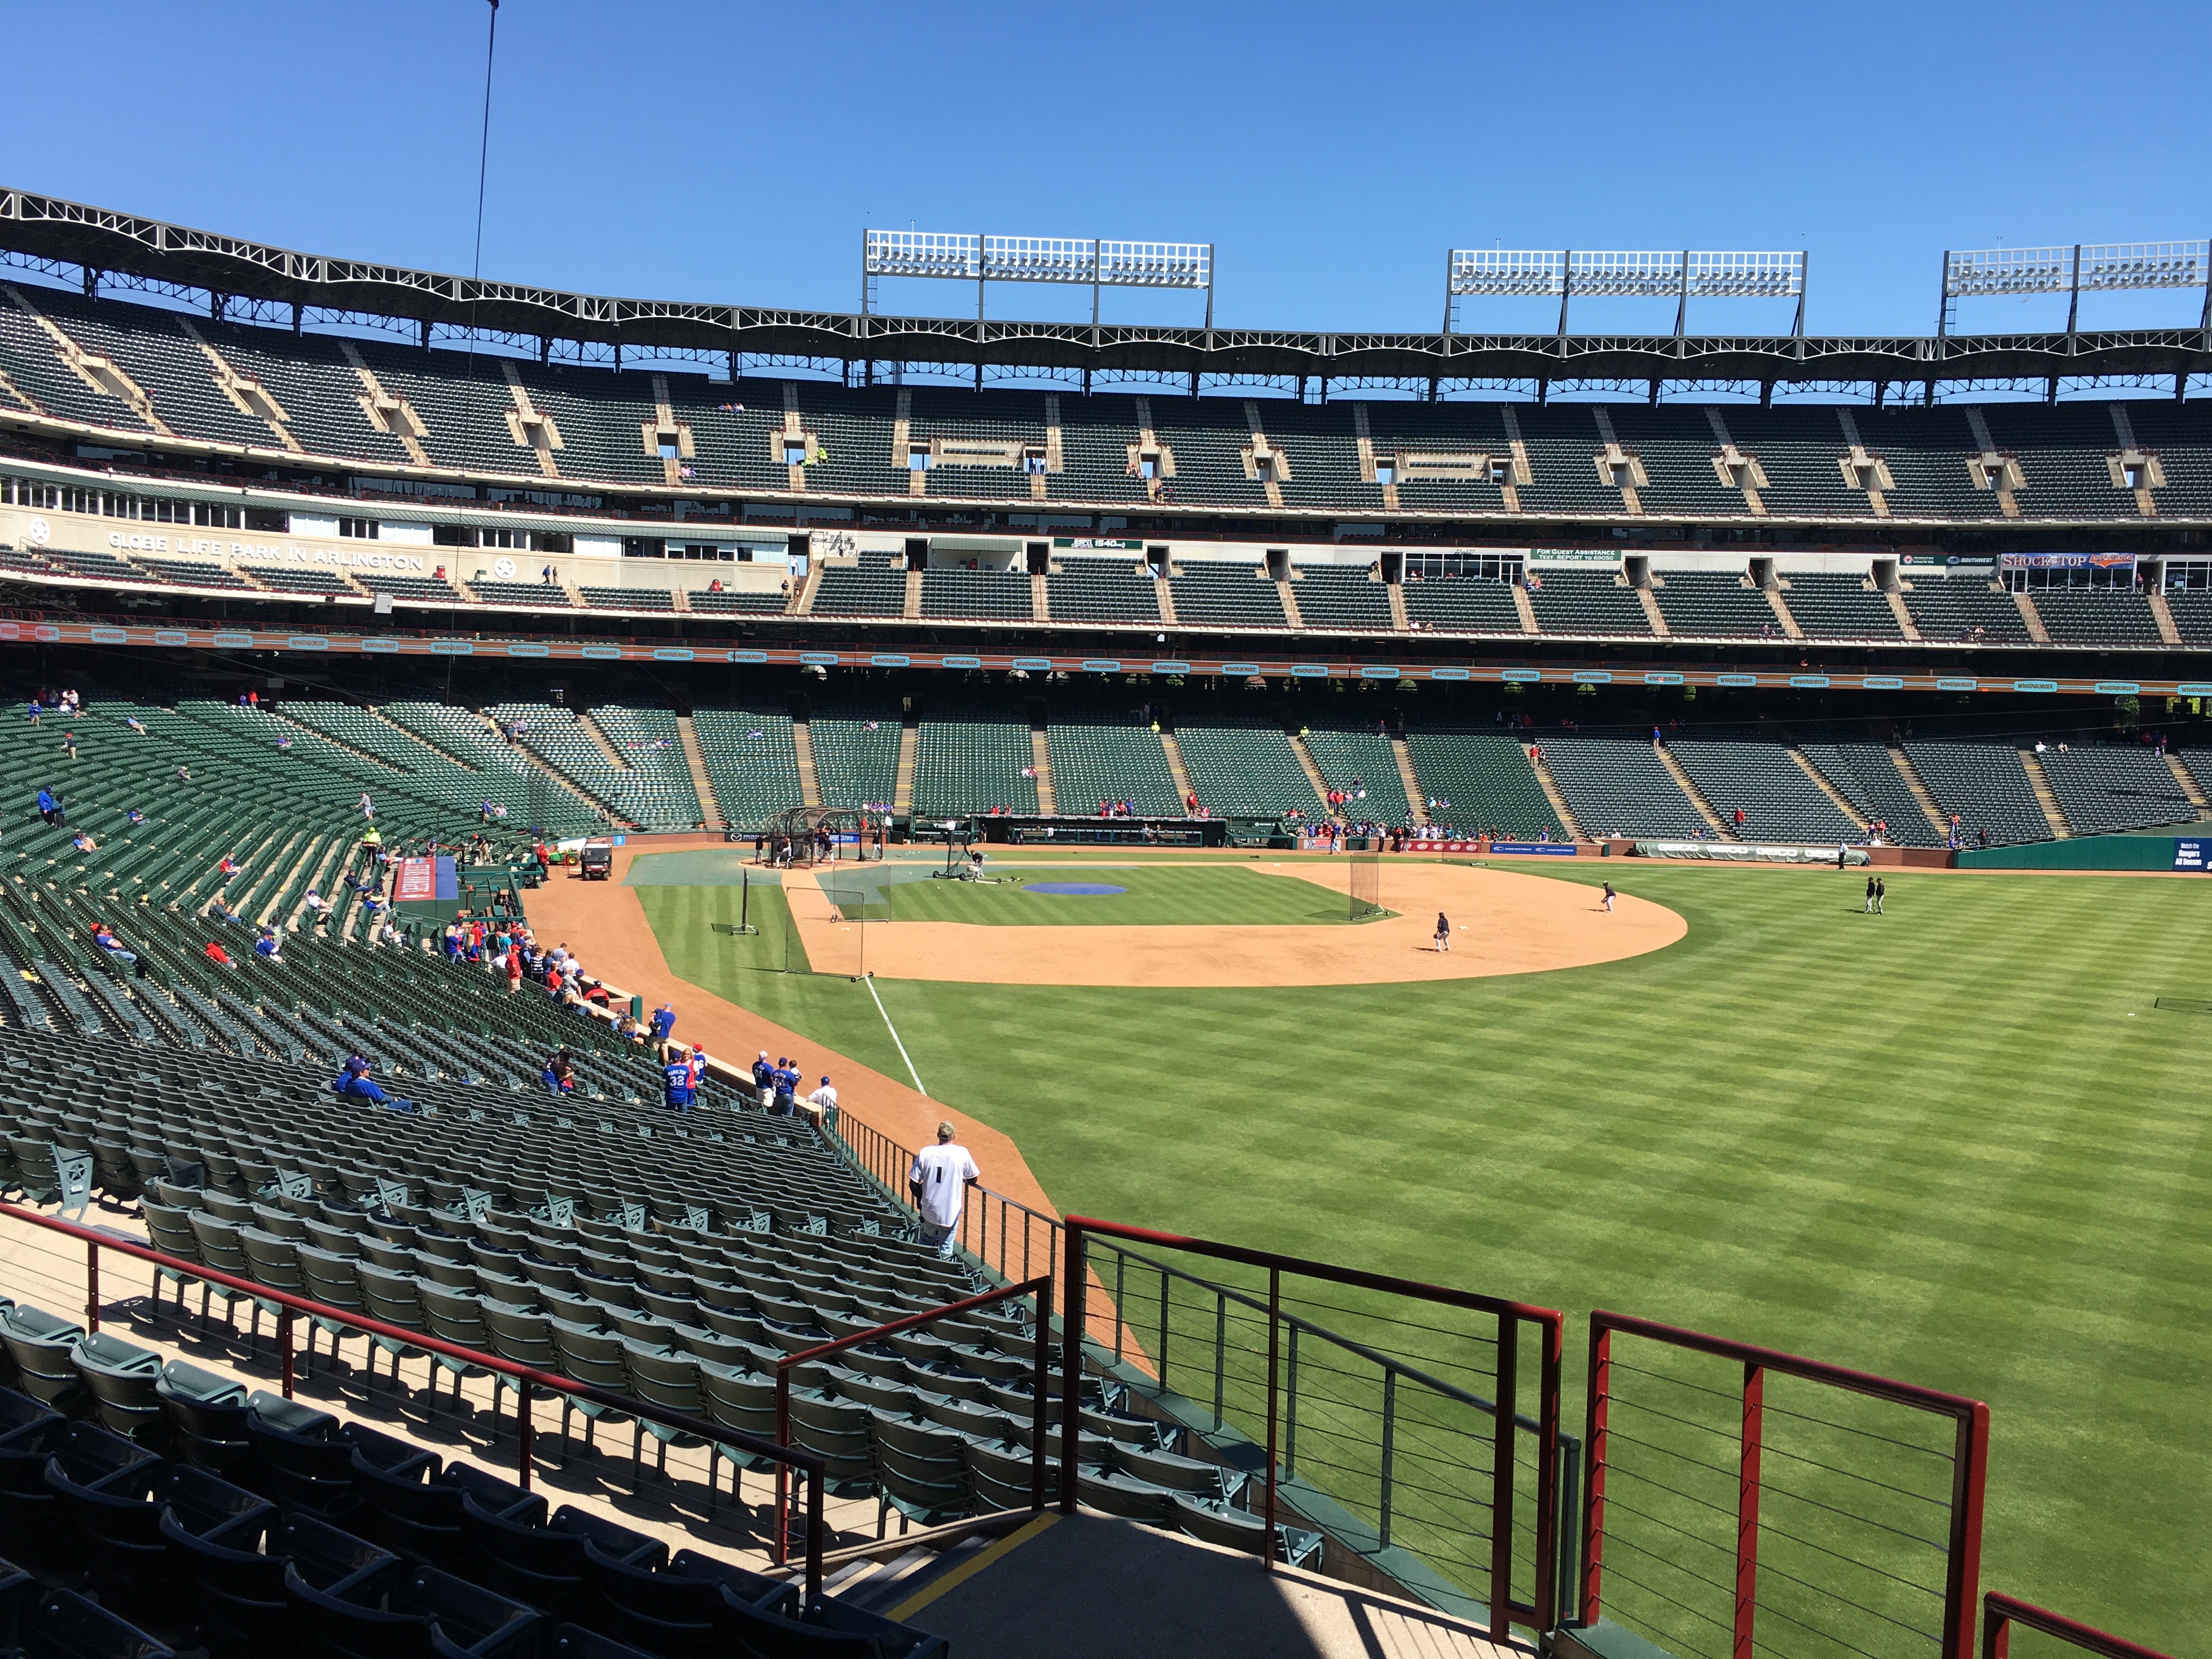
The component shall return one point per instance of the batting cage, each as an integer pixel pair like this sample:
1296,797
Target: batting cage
802,837
1365,873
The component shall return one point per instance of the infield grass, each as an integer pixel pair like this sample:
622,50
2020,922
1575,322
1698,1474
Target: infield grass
1955,1144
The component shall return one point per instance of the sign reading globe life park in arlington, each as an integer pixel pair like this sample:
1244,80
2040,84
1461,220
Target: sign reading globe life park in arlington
213,547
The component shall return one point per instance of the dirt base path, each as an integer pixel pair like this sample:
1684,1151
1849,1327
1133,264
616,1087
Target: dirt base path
606,926
1502,922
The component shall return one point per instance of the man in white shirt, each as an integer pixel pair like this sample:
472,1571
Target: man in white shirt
822,1102
940,1181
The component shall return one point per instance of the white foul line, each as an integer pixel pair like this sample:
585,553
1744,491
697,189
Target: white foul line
893,1029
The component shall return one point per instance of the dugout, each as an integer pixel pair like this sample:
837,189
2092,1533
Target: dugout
1050,830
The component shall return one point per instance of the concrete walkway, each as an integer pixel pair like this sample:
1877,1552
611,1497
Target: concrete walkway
1089,1587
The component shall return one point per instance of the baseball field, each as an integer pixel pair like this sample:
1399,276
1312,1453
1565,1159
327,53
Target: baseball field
1957,1143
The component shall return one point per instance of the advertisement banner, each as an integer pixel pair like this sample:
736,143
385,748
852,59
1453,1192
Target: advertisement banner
2190,855
2067,561
1539,557
1725,852
1564,849
1947,561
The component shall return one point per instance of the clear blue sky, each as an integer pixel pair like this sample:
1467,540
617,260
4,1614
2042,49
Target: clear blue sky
735,152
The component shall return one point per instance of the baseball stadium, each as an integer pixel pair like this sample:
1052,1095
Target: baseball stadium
1191,989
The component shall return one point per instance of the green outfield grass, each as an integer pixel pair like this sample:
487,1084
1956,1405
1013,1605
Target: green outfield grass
1955,1144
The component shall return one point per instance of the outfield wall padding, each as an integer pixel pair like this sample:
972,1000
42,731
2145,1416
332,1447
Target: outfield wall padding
2081,853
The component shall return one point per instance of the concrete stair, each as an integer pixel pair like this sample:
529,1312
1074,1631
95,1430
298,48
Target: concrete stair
1921,791
1040,599
590,728
695,758
1788,623
1040,758
1552,790
1166,596
1524,608
1400,621
1821,781
1291,605
2162,614
1717,823
2188,783
1313,773
903,790
809,781
1650,601
1404,757
2045,796
1177,769
2031,618
531,758
802,596
912,604
1905,625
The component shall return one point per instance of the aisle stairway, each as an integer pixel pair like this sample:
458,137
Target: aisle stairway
1719,825
695,758
1040,758
809,781
1405,759
1921,792
2044,796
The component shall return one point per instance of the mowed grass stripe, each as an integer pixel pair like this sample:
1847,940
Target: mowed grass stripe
1953,1143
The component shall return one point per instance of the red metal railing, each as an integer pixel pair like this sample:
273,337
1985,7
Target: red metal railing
1041,1410
1505,1608
786,1457
1674,1547
2000,1613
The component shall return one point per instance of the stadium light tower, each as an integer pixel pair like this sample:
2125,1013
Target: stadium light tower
2087,267
983,259
1680,277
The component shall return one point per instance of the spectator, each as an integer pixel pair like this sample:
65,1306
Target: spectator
137,817
663,1022
358,1083
677,1084
215,953
50,809
559,1075
266,947
940,1181
597,996
763,1081
34,711
83,843
822,1104
107,941
184,775
69,744
787,1089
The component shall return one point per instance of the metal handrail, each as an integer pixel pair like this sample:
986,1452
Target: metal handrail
1969,1465
528,1377
2001,1612
1503,1609
1040,1288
